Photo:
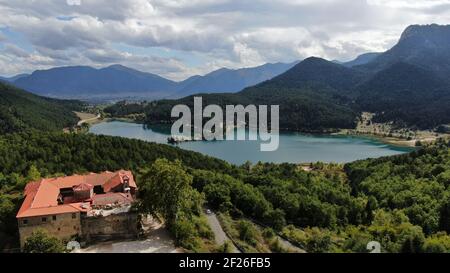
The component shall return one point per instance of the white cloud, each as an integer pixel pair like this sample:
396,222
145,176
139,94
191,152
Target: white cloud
409,3
73,2
214,33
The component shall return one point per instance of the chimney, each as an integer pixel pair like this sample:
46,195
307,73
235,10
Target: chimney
126,184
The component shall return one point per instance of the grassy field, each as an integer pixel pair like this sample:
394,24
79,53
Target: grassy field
388,133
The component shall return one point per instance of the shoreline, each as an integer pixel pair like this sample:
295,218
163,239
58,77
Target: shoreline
394,141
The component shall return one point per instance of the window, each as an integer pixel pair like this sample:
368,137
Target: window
54,217
44,219
25,222
74,216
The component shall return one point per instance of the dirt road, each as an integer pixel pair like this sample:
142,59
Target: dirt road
87,118
220,236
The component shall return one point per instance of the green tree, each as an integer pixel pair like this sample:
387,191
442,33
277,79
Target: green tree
33,174
275,218
217,195
185,233
413,240
41,242
226,247
437,243
319,241
372,205
8,222
166,191
247,232
444,220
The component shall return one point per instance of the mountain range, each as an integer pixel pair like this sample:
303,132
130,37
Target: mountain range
407,85
230,81
12,79
362,59
118,81
79,81
423,46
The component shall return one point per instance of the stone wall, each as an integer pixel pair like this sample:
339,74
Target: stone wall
62,226
124,225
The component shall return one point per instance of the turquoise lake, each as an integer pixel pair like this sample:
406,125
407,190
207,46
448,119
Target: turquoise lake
293,148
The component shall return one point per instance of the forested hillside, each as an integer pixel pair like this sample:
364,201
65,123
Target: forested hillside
315,101
402,201
29,155
408,95
21,110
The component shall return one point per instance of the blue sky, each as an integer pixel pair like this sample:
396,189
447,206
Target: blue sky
180,38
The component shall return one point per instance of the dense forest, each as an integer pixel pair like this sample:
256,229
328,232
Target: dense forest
21,110
401,201
29,155
298,111
408,95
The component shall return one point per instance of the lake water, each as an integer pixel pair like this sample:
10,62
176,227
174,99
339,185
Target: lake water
294,147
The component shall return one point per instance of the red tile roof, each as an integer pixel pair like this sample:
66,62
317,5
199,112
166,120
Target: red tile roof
41,197
113,182
83,187
112,198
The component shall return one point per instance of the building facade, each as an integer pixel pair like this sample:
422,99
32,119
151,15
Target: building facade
82,207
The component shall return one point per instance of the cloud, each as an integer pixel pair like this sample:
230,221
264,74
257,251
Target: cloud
418,4
180,38
73,2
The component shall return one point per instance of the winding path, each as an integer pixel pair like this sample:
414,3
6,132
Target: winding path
81,122
220,235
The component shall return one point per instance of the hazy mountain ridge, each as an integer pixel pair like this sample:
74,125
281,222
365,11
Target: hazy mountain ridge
118,80
362,59
13,78
231,81
79,80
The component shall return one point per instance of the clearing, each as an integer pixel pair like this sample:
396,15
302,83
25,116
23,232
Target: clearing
87,118
157,240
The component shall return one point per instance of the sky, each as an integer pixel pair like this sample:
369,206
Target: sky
181,38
